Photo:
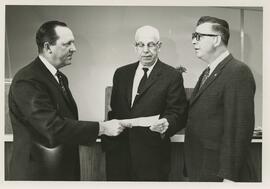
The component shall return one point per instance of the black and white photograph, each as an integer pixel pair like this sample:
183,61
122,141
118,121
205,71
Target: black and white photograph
139,93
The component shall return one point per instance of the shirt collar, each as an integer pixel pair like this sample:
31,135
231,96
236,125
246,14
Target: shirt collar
140,67
219,59
48,65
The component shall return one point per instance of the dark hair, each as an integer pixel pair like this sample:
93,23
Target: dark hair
46,33
219,25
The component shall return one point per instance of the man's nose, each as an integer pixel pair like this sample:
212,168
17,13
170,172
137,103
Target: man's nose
73,48
145,48
194,41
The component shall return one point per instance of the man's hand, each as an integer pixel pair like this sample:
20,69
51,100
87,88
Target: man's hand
110,128
126,123
160,126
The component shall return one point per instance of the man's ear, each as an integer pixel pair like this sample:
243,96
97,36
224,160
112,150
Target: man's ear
159,45
135,48
47,47
217,41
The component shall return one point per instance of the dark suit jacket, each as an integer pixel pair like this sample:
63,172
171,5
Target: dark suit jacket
220,123
45,127
162,94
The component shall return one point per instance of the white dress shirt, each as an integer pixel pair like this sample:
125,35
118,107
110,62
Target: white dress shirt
50,67
218,60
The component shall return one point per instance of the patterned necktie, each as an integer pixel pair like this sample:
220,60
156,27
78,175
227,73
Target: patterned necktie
64,88
205,76
143,80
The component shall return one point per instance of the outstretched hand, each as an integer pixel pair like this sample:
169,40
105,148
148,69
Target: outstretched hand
125,123
111,128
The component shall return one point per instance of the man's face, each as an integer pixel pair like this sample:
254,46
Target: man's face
204,44
147,48
64,47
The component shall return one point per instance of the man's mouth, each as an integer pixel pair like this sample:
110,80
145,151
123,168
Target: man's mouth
147,56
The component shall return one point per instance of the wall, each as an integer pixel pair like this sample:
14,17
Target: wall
253,55
104,38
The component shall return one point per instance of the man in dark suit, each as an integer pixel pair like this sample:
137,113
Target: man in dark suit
44,114
143,153
221,109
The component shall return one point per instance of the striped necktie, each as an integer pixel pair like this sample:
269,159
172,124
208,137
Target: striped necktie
205,76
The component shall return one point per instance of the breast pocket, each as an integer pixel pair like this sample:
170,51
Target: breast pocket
211,94
211,101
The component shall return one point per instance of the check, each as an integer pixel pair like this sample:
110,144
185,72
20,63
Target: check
141,121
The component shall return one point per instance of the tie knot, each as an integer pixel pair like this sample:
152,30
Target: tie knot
145,70
207,71
58,74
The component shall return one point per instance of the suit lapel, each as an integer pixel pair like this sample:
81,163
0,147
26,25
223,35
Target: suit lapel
51,79
198,91
153,77
130,78
47,73
71,102
197,87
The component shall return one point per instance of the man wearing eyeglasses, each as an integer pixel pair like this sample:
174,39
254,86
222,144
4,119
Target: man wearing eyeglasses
221,109
143,153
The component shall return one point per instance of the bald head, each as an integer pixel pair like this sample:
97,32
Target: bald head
147,45
147,32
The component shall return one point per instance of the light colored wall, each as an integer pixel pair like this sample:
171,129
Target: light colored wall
104,39
253,55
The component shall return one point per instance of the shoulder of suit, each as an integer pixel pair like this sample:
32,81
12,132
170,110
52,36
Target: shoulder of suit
131,66
27,72
237,70
237,65
168,68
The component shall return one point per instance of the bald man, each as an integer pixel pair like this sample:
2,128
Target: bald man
147,87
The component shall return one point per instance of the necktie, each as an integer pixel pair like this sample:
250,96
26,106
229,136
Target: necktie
63,86
205,76
143,80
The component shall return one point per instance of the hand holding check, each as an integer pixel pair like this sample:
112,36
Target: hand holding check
115,127
112,127
154,124
160,126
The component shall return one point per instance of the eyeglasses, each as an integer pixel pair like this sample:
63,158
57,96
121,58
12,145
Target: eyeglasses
199,35
150,45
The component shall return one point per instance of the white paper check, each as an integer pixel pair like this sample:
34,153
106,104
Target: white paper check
142,121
